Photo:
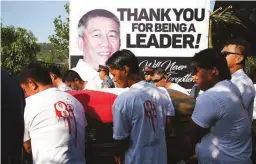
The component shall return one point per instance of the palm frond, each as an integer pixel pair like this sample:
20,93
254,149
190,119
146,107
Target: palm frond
226,17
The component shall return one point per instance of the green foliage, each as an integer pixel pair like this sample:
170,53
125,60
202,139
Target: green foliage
226,16
60,39
18,49
250,63
46,53
63,67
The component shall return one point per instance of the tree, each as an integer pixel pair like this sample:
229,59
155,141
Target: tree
225,16
60,39
250,63
19,48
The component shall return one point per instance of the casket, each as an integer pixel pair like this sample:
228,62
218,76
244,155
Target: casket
178,146
98,109
100,146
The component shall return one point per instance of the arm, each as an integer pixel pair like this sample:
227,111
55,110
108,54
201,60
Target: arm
206,112
27,146
121,126
26,137
170,116
105,86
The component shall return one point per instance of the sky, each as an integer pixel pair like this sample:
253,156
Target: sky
35,15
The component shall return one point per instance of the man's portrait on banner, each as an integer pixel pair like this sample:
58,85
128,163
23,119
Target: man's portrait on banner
98,38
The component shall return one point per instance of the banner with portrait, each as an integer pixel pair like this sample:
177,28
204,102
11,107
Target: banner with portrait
164,33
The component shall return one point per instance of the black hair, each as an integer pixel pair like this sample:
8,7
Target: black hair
123,58
36,72
55,70
243,45
210,58
70,76
160,70
106,72
95,13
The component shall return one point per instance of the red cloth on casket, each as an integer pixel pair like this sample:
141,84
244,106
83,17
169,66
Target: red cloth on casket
97,105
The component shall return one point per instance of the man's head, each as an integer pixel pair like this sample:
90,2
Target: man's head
103,71
148,73
160,77
235,51
34,79
73,80
54,74
99,36
208,68
124,67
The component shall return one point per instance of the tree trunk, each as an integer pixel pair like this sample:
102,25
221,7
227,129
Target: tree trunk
210,45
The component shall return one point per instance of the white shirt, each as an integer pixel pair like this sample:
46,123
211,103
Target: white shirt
245,85
55,122
87,73
179,88
220,109
254,106
64,87
140,113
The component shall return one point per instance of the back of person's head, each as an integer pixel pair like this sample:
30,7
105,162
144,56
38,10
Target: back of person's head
123,58
35,72
242,45
160,71
210,58
12,126
54,70
93,14
71,76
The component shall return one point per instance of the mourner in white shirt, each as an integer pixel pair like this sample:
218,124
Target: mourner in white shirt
221,125
54,121
140,113
160,78
236,52
57,78
252,75
99,38
74,81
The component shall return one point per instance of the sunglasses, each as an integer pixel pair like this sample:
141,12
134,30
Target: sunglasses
226,53
194,71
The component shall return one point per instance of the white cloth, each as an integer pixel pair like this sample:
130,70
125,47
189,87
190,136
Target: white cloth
87,73
245,85
221,109
55,122
179,88
254,106
116,91
140,113
91,85
64,87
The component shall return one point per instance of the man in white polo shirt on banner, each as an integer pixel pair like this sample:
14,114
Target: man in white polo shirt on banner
54,120
140,113
99,38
